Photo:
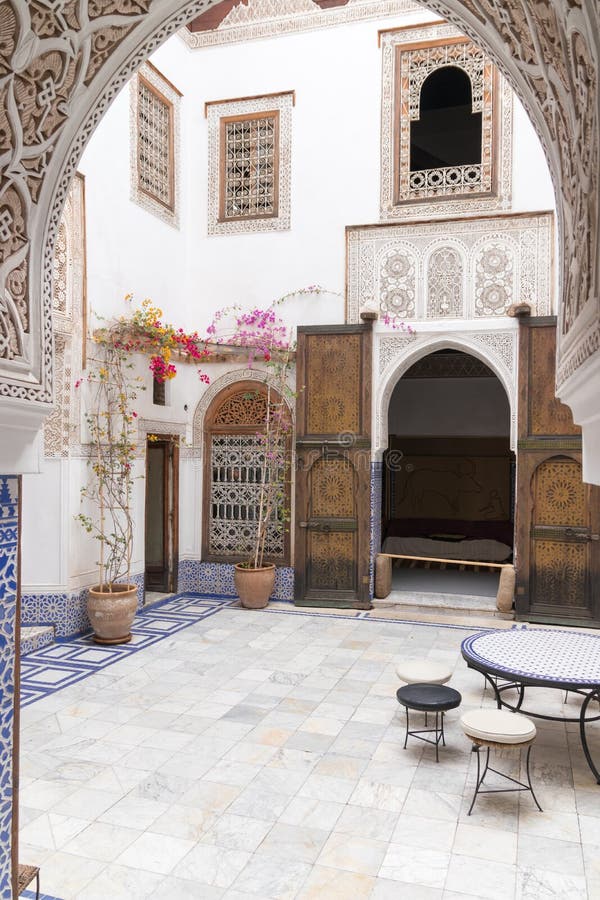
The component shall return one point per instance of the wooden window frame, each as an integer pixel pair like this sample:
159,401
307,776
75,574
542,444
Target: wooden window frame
171,150
246,117
211,429
400,109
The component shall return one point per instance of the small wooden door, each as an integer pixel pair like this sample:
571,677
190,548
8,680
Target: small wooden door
558,515
162,502
333,440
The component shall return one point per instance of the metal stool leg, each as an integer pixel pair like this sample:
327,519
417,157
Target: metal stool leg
475,749
406,735
529,779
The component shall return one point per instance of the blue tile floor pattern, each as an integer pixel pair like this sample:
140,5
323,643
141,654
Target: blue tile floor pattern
30,895
51,669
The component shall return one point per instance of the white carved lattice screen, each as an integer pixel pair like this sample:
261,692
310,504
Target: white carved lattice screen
236,463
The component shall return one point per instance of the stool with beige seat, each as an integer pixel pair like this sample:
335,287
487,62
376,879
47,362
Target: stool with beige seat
423,671
498,729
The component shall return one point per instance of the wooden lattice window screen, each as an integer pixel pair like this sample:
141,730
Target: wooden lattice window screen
233,479
155,171
249,171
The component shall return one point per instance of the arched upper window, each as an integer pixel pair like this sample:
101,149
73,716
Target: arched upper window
233,477
448,131
444,123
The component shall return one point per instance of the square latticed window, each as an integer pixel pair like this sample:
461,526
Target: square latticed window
249,170
155,145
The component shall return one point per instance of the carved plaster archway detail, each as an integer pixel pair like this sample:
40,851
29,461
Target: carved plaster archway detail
496,349
215,388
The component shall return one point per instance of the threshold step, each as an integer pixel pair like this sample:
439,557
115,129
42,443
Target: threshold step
34,637
447,605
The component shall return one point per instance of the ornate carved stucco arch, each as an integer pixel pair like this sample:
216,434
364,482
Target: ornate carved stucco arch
74,64
503,368
213,391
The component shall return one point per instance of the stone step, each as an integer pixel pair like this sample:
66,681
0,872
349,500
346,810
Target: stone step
413,604
34,637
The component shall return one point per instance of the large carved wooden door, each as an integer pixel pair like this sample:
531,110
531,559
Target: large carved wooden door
558,516
333,466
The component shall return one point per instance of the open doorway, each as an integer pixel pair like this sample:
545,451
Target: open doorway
448,483
162,504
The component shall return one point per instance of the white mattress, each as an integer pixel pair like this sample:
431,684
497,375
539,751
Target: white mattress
479,550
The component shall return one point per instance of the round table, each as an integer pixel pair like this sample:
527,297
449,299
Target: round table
540,657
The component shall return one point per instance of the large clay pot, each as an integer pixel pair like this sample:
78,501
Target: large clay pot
112,612
254,586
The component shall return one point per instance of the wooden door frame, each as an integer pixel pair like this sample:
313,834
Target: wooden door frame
310,448
170,488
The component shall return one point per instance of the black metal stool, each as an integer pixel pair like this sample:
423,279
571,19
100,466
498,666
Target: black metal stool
428,698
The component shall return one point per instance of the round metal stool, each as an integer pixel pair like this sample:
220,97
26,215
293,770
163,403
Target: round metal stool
428,698
498,729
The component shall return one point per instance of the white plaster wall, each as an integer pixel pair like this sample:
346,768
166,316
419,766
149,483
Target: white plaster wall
43,526
335,180
456,407
532,185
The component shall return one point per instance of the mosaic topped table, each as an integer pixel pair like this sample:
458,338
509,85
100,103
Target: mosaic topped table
539,657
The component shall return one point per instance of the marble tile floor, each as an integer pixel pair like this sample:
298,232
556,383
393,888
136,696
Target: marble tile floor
259,755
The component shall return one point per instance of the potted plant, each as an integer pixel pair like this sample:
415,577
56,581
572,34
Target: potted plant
112,603
265,337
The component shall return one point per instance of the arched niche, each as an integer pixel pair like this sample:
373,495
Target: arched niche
448,130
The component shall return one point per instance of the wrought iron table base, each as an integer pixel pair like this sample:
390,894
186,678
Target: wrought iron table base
488,768
582,718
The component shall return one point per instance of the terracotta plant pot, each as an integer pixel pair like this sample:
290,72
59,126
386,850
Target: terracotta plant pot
254,586
112,612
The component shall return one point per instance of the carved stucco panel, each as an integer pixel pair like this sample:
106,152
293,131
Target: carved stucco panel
504,259
256,19
395,354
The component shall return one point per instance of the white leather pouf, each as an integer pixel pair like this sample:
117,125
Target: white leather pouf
498,726
423,671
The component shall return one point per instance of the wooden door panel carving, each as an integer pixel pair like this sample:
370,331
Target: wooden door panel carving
333,471
560,536
559,493
332,488
332,406
560,572
332,565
